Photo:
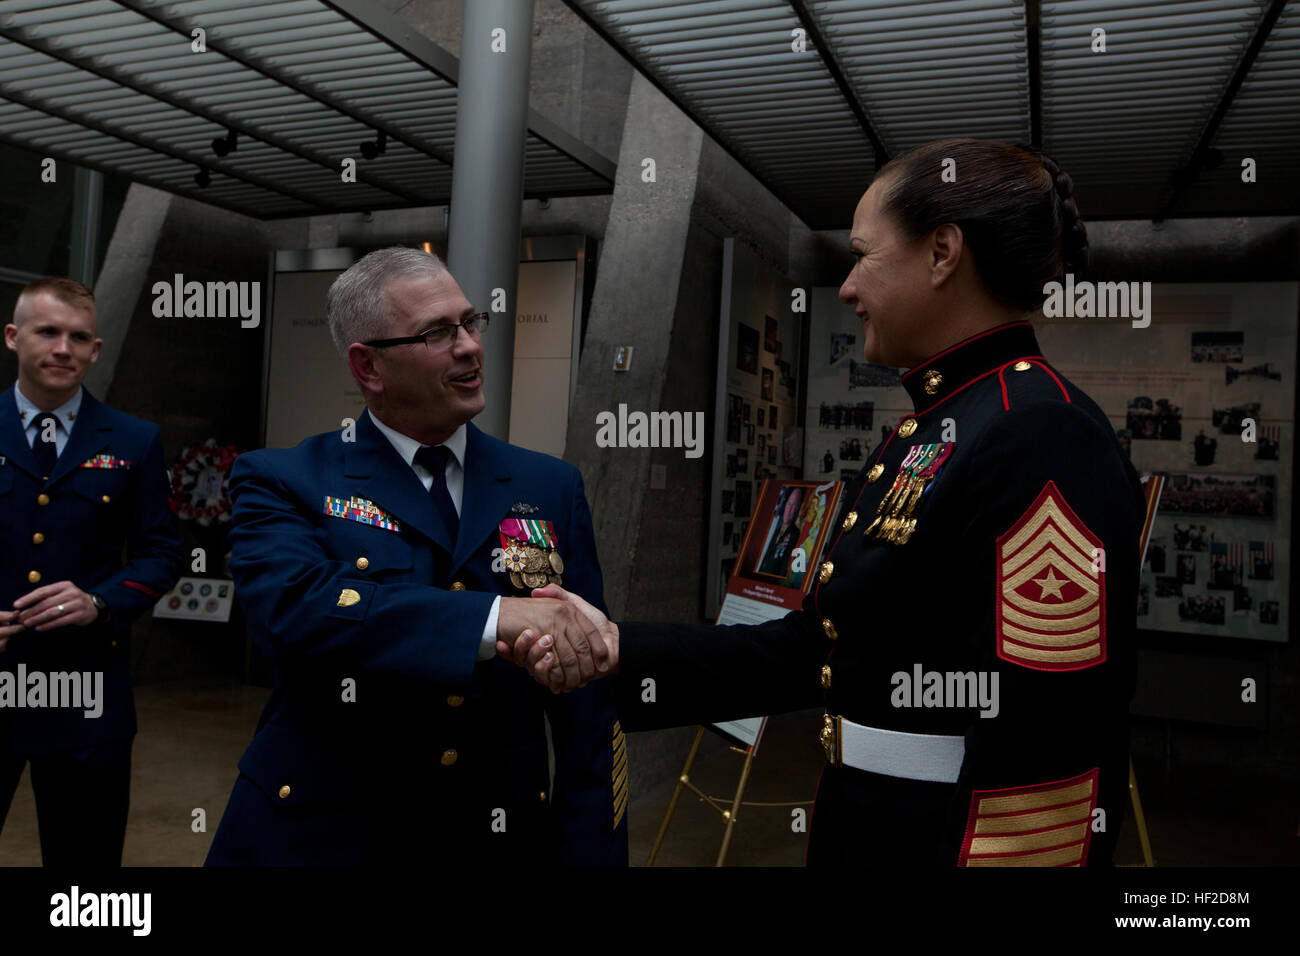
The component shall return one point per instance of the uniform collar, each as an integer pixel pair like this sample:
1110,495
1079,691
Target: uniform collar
407,447
65,413
947,372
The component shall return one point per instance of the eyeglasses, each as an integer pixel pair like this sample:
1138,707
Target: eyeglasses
440,337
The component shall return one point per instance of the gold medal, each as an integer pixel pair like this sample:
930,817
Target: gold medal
535,580
517,579
535,560
556,580
557,562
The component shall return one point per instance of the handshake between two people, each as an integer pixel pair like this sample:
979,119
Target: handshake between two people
558,638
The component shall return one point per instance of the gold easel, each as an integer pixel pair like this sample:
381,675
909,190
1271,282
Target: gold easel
684,781
1152,485
1138,817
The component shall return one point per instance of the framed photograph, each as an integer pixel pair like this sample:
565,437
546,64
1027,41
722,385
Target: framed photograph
770,335
747,349
769,379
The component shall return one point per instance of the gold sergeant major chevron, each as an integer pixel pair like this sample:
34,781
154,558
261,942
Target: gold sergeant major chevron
1051,594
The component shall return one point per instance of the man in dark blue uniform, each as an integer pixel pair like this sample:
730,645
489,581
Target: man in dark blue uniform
80,486
377,566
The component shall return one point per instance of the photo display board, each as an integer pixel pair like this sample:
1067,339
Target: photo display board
1206,396
758,435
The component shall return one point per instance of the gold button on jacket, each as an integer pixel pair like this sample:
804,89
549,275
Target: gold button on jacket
455,700
42,499
850,520
284,792
457,586
449,757
38,538
825,573
363,563
34,576
829,628
826,676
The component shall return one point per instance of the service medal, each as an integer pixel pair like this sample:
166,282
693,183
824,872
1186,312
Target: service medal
893,520
528,546
556,580
516,560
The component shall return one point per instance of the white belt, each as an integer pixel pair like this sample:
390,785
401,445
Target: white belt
891,752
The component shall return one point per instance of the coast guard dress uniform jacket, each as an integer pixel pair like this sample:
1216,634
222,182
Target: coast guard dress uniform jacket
101,521
995,532
385,739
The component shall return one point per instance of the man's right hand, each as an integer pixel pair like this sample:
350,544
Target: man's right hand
580,650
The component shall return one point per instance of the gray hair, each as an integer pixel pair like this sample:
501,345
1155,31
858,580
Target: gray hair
356,306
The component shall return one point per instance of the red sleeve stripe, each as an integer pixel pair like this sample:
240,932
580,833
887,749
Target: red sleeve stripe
1048,824
140,587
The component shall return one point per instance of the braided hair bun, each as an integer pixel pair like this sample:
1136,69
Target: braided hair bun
1020,224
1074,235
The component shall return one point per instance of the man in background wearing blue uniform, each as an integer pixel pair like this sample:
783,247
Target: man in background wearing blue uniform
80,483
377,566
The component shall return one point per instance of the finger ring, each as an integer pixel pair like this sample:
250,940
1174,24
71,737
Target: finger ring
60,609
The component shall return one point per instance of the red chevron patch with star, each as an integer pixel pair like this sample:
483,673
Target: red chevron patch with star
1051,596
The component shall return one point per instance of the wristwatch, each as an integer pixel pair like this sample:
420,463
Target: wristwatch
100,606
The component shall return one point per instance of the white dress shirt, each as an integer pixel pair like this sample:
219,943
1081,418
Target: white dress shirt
406,447
66,413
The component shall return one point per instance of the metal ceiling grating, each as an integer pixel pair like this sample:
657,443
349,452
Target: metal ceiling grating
733,66
115,85
1263,124
1126,123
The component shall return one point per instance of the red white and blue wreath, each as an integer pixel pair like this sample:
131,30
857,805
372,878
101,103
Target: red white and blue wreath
200,483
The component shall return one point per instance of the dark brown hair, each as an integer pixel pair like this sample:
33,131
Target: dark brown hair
1013,204
68,291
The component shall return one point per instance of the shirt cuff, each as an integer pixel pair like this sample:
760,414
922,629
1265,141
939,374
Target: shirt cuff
487,649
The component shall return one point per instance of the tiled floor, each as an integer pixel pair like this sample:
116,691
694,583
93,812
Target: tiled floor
192,734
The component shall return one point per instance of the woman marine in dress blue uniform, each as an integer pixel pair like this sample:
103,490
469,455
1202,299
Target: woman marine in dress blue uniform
970,633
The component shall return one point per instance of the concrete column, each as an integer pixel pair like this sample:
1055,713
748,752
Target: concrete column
635,303
487,181
656,290
126,266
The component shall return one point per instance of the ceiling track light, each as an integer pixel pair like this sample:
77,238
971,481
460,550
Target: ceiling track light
380,146
224,145
202,179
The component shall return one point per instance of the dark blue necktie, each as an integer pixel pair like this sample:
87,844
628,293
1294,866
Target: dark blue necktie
435,459
47,452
